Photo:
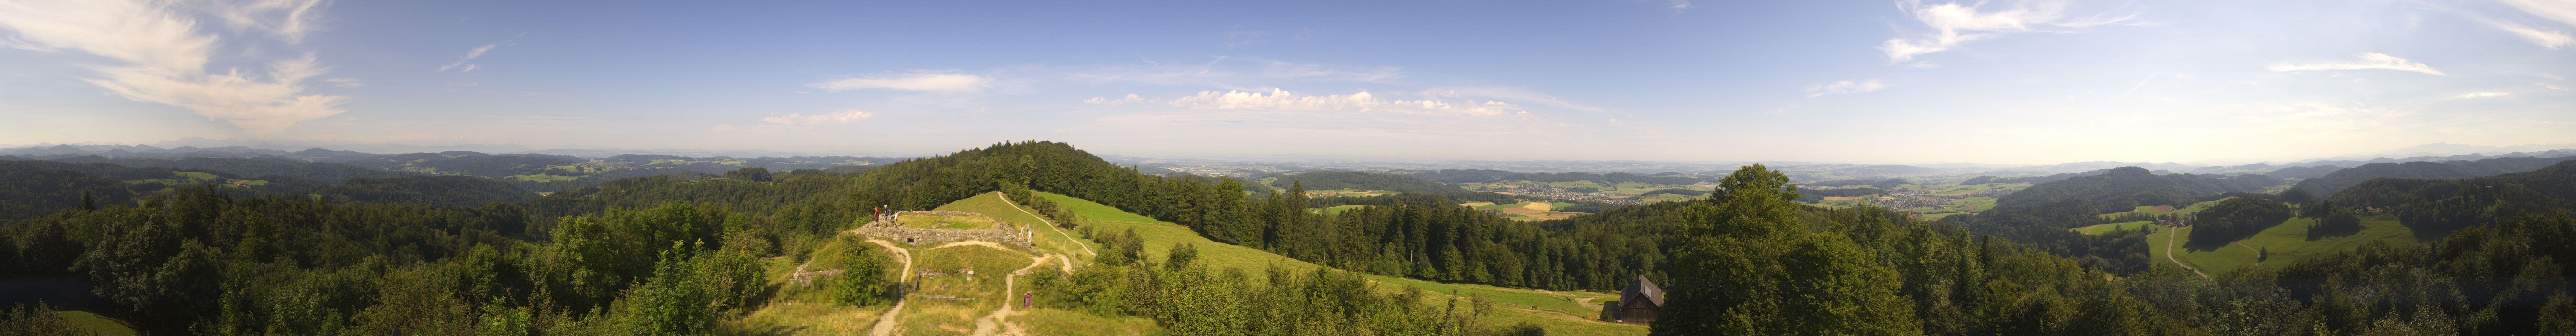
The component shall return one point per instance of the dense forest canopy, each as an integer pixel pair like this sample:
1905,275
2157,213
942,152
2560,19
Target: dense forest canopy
672,254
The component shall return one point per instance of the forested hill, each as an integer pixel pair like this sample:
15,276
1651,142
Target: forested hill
317,171
1337,180
2448,204
1489,175
2130,186
2332,183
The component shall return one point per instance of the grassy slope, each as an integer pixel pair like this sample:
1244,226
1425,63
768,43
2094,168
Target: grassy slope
95,324
2289,243
2103,228
1160,236
1048,240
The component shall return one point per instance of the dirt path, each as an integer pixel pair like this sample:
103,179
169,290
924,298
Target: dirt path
2170,252
998,321
886,323
1086,248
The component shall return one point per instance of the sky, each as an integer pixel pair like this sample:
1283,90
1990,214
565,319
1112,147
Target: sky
1668,80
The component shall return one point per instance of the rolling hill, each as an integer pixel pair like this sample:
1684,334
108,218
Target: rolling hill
1337,180
2332,183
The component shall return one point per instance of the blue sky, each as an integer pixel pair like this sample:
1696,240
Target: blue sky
1831,81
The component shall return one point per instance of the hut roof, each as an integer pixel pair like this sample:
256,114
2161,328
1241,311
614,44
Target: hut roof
1642,289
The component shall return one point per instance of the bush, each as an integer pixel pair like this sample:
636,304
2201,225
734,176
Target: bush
862,281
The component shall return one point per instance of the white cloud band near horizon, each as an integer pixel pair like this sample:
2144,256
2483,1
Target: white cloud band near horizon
918,81
843,117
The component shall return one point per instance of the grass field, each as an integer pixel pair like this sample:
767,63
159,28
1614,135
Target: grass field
543,177
1160,236
2288,243
1527,210
95,324
2166,210
928,221
1338,209
1048,239
926,313
2103,228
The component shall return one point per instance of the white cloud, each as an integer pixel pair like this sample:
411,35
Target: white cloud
470,55
1277,69
2368,61
2551,39
1130,99
1356,102
165,56
2561,10
1507,93
2551,87
288,20
844,117
918,81
1954,24
2479,95
344,82
1842,87
1679,5
1219,73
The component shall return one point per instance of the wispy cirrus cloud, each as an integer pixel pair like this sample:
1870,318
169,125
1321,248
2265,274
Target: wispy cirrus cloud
918,81
1953,24
2369,60
288,20
470,55
2479,95
2561,10
2546,38
1130,99
843,117
164,55
1843,87
1355,102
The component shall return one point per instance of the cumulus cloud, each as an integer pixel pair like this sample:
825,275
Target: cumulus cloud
1356,102
470,55
1130,99
1842,87
2368,61
2551,39
1953,24
918,81
2479,95
164,56
844,117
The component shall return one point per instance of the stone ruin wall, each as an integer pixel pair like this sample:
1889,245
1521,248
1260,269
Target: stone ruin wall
1000,233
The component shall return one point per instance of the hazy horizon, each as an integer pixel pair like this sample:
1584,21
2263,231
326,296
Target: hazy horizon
2006,82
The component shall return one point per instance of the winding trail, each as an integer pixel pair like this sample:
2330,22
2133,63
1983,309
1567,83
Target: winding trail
989,324
2169,253
1015,205
886,323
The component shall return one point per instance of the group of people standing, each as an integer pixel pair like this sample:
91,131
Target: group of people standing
885,213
